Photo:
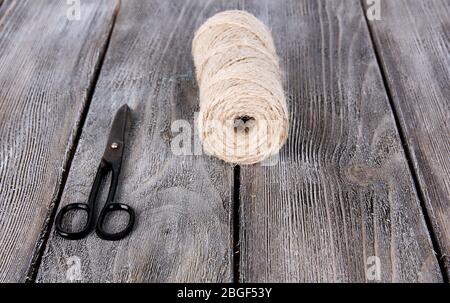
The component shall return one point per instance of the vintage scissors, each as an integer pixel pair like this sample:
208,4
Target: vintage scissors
111,161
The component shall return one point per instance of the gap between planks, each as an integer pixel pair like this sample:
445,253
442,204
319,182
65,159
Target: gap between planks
41,244
407,153
236,223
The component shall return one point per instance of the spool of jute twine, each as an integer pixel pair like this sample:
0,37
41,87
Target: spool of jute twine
243,115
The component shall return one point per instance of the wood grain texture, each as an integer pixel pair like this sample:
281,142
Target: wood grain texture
183,231
341,191
413,41
47,65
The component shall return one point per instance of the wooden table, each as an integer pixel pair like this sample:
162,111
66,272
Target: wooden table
360,193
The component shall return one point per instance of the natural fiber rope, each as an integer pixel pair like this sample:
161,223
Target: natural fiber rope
240,81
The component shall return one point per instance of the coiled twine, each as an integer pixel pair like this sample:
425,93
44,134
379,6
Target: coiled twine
243,115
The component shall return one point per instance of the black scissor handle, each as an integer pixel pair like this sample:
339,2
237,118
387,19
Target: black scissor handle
87,207
108,209
70,234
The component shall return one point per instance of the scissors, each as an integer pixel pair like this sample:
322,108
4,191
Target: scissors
111,161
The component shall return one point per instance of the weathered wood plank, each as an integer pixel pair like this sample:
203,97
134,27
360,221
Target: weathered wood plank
183,203
47,65
342,191
413,40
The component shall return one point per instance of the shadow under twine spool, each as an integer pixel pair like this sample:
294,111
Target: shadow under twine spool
243,115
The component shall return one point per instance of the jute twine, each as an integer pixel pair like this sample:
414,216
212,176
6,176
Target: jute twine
243,115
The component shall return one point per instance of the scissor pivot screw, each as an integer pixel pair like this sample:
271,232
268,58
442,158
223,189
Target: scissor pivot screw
114,145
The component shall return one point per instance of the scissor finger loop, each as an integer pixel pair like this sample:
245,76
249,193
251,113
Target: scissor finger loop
107,211
73,235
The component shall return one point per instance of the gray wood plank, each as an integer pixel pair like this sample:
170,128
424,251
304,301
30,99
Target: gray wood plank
47,65
183,231
342,191
413,40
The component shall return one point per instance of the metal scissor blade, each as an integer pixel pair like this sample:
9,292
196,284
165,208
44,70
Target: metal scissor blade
116,139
